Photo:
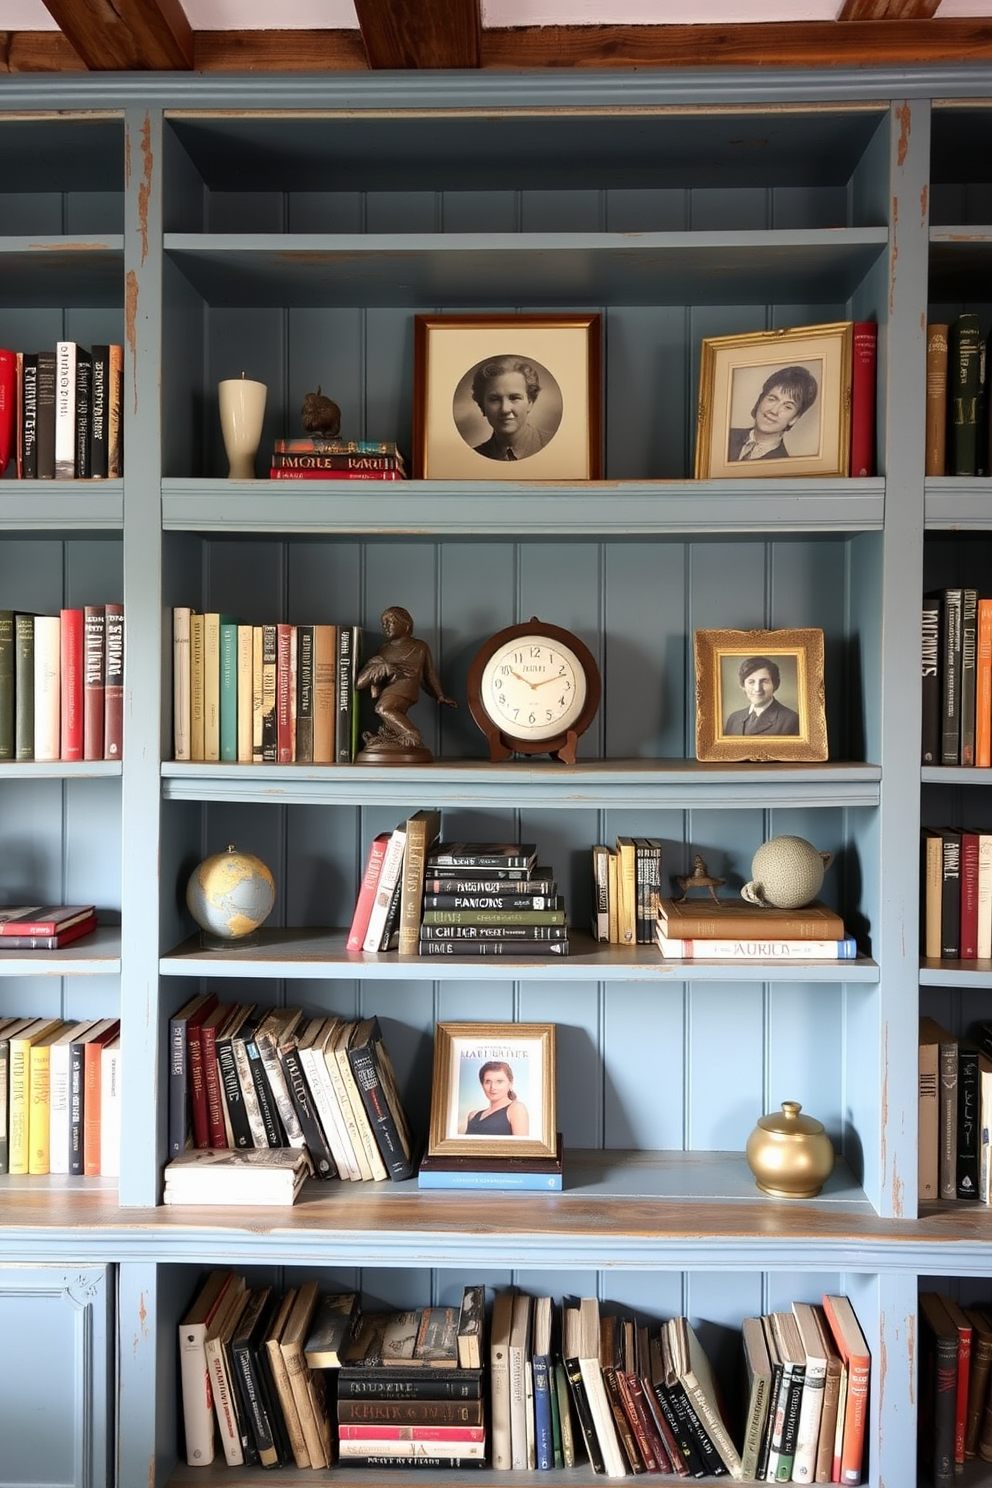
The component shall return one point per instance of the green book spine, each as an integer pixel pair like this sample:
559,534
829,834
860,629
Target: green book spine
24,687
963,388
494,917
229,690
6,684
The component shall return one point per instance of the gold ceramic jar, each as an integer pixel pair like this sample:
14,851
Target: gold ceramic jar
790,1155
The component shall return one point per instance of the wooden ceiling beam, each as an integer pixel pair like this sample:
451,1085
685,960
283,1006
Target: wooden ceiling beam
421,34
888,10
279,51
759,44
126,35
37,51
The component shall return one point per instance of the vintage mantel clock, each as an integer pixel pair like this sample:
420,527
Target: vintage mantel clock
533,689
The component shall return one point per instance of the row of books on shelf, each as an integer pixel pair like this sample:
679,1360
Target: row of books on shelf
545,1385
626,886
956,894
62,684
955,1113
336,459
60,412
956,678
311,1095
263,694
957,415
60,1096
954,1416
423,896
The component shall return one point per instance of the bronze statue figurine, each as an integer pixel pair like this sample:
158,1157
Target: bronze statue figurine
699,878
394,676
321,416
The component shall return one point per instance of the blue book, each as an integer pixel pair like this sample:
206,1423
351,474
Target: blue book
469,1178
541,1366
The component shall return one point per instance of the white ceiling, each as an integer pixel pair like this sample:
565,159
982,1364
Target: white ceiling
320,15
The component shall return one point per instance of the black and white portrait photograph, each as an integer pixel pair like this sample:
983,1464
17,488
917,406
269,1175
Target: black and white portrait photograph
775,415
760,695
507,407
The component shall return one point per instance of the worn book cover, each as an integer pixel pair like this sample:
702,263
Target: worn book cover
735,919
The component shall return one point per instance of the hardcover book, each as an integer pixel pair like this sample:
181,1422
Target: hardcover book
735,919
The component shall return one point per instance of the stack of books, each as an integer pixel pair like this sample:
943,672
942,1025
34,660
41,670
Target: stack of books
336,459
626,888
734,930
44,927
490,899
60,1096
263,694
523,1174
410,1388
62,684
257,1175
242,1080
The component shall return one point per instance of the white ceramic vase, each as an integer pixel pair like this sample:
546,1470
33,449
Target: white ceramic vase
242,409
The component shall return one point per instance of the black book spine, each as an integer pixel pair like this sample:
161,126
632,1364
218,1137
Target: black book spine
969,673
24,687
950,742
930,631
766,1439
84,399
790,1425
270,647
45,427
29,415
580,1403
245,1352
99,412
381,1384
366,1071
304,694
713,1463
963,386
679,1429
950,902
230,1085
969,1124
299,1093
263,1094
77,1057
344,735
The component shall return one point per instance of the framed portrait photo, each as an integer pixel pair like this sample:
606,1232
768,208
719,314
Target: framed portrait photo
493,1091
759,695
775,403
507,397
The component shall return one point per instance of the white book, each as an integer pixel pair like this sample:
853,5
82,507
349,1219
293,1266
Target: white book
181,695
58,1074
312,1057
985,1128
47,686
110,1109
389,877
985,895
198,1416
222,1385
811,1405
65,410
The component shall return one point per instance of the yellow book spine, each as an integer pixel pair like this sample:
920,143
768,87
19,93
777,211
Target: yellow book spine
39,1108
17,1115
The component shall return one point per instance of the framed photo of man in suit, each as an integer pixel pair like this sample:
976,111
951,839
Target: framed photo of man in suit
759,695
775,403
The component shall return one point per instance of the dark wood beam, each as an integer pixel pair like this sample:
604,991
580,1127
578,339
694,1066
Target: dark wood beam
278,51
37,51
761,44
126,35
888,10
403,34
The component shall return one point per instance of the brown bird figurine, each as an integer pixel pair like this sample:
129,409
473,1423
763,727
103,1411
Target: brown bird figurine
321,415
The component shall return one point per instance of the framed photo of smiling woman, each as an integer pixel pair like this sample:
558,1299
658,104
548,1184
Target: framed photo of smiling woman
507,397
775,403
493,1092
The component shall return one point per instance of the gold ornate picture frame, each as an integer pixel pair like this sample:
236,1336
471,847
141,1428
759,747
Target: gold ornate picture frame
759,695
507,397
775,403
498,1073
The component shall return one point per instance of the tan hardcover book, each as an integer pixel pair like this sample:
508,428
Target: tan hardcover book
308,1385
422,829
332,1327
180,683
499,1380
978,1379
600,925
731,919
19,1098
314,1054
520,1330
359,1128
583,1344
286,1401
814,1383
626,891
928,1130
613,887
935,423
211,685
832,1382
471,1328
40,1098
115,411
325,647
758,1369
932,888
222,1385
700,1385
196,737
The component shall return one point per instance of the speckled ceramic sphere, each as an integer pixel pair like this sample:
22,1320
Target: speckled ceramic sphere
787,872
790,1155
230,894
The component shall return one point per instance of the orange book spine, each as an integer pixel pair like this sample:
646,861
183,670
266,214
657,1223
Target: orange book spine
92,1116
983,687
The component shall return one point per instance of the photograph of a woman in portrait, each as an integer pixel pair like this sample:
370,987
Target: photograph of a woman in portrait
759,695
774,415
500,1112
507,407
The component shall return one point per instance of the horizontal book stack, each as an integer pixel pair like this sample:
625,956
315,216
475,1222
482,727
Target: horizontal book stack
336,459
626,888
735,930
490,899
62,684
263,694
240,1080
955,1113
60,1096
44,927
956,678
61,412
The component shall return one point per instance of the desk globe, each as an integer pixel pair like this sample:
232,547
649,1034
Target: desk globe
229,896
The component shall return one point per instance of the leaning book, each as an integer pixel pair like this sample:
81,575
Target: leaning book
255,1175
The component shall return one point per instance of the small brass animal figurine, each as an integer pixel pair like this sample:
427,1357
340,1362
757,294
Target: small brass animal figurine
321,415
699,878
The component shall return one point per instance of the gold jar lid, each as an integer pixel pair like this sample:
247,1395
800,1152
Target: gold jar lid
789,1154
789,1122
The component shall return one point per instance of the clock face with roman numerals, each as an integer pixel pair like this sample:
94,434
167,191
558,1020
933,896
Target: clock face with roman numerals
533,688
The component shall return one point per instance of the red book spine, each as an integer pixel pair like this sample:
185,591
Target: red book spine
969,896
366,894
113,696
214,1096
71,685
8,406
93,699
389,475
285,652
197,1087
863,398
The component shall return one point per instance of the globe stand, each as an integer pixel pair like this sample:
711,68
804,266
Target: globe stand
211,942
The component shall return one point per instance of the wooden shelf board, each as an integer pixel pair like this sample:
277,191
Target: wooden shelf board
642,784
59,769
958,503
84,271
313,270
92,955
934,973
33,506
607,509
